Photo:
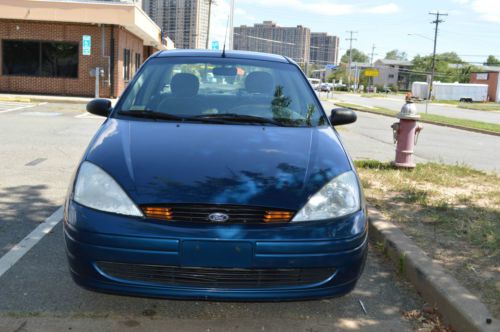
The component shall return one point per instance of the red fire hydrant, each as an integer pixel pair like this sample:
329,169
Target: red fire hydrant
405,134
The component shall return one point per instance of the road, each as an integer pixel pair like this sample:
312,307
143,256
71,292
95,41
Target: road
371,138
395,103
41,146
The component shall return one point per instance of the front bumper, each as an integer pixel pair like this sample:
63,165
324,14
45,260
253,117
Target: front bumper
96,238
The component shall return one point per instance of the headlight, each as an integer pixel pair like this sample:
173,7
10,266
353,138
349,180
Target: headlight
95,189
337,198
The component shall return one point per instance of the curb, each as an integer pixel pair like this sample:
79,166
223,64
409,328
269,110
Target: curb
41,99
458,306
479,131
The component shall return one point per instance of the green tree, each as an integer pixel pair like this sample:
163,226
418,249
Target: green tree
492,61
396,55
340,73
357,56
449,68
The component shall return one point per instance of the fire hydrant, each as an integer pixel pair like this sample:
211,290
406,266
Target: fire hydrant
405,134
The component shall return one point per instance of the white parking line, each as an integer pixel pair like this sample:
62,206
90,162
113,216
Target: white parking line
87,115
20,249
17,106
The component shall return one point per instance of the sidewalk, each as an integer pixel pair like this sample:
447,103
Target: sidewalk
45,98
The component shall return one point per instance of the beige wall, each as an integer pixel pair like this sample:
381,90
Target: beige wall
129,16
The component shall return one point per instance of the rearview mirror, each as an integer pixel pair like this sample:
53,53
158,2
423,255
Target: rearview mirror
342,116
101,107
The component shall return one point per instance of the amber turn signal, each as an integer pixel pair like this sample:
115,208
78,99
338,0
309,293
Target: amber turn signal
277,216
157,212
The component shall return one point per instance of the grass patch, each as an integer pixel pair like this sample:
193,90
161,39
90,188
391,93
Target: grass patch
432,118
480,106
451,211
448,102
374,95
471,106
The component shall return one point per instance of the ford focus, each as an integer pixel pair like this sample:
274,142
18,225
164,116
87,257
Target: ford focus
217,175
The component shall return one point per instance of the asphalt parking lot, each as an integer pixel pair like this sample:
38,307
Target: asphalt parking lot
40,147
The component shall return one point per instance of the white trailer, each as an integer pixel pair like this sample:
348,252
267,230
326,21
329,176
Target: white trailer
452,91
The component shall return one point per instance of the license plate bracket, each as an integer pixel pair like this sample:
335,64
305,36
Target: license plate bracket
216,254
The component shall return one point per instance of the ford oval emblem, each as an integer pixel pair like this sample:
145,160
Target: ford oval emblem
218,217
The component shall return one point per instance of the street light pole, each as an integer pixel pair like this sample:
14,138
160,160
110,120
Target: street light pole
231,25
210,3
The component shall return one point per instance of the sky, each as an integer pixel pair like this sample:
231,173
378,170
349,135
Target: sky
471,29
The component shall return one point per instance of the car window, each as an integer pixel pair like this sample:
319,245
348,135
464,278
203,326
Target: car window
197,87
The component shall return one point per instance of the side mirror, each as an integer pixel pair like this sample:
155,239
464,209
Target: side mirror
101,107
342,116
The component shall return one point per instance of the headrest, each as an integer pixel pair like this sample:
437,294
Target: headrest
185,85
259,82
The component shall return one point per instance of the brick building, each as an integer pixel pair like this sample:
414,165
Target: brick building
184,21
491,77
324,49
51,47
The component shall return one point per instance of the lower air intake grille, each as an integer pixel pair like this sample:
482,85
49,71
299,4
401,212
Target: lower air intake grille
214,277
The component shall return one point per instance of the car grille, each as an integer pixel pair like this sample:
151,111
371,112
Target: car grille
214,277
201,213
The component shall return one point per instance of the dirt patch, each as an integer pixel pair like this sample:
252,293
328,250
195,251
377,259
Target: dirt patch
452,213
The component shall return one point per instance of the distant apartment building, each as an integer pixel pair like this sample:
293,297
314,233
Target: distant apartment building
183,21
324,48
395,73
268,37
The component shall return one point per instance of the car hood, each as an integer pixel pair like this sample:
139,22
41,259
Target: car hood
165,162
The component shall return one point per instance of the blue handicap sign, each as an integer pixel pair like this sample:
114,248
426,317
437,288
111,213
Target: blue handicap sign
86,45
215,45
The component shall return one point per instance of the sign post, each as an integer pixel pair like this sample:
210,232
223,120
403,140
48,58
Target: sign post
97,74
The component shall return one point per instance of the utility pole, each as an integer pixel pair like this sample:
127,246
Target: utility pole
431,83
371,64
372,54
350,39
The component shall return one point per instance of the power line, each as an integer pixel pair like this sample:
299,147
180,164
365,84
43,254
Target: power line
350,39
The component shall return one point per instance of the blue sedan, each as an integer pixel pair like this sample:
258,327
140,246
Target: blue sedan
217,176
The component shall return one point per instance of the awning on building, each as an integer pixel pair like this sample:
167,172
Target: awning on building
128,15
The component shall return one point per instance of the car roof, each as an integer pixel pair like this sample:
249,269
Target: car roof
218,54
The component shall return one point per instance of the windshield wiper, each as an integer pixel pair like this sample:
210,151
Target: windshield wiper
231,117
152,115
167,116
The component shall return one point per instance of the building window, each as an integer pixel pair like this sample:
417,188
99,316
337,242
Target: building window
126,64
137,61
391,75
36,58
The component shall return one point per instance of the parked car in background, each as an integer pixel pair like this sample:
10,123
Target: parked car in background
236,188
325,87
315,83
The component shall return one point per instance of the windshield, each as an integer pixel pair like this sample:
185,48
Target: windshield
222,90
